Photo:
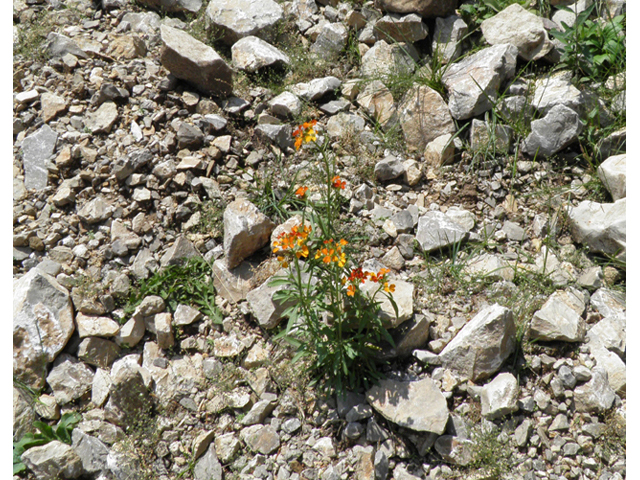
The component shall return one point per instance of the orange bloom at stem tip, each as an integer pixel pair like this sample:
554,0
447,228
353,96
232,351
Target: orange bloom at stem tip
300,192
337,183
305,133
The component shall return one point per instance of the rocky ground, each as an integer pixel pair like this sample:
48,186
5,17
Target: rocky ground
483,168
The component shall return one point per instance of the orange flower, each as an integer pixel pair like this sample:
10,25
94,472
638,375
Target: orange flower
389,287
351,290
337,183
294,241
305,133
330,254
300,192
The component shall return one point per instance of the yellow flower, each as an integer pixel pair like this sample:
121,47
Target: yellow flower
305,133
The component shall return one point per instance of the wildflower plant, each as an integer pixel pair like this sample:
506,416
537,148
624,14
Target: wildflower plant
332,320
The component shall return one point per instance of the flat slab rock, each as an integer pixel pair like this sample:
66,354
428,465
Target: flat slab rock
601,226
419,405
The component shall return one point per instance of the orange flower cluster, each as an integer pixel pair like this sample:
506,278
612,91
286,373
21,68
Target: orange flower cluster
295,241
337,183
332,252
305,133
358,276
301,191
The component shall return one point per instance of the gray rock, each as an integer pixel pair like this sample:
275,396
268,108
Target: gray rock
95,211
485,136
103,119
335,106
591,278
23,413
100,387
42,325
491,267
69,379
241,18
613,365
516,26
186,315
267,311
316,88
381,465
163,330
259,411
419,405
280,135
90,326
123,462
131,332
208,466
178,253
286,104
98,352
345,124
602,227
359,412
436,231
402,296
193,61
376,99
330,42
37,149
513,231
291,425
234,284
261,438
246,230
473,83
92,452
557,90
51,105
226,446
482,345
252,53
129,398
610,333
384,60
174,6
53,460
454,449
613,174
58,46
500,396
565,374
400,28
447,37
353,430
521,434
558,129
189,136
609,303
143,22
596,396
424,8
389,168
560,318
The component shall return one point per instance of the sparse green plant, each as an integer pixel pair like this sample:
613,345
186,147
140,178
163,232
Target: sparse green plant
332,321
211,213
190,283
592,49
45,434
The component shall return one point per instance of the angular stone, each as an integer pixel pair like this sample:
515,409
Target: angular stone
388,169
316,88
267,311
345,125
558,129
261,438
246,230
610,333
191,60
330,42
482,345
613,174
143,22
424,117
402,296
456,450
95,211
164,331
412,334
100,387
69,379
486,136
131,332
59,45
92,452
519,27
424,8
602,227
23,413
440,151
53,460
234,285
241,18
447,37
186,315
419,405
491,267
613,365
557,90
377,101
277,134
385,59
208,466
252,53
226,446
473,82
42,325
174,6
189,136
37,149
286,104
98,352
400,28
596,396
93,326
127,47
500,396
52,105
259,411
179,252
129,398
436,231
559,320
103,119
